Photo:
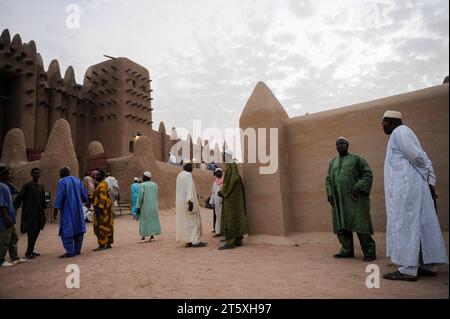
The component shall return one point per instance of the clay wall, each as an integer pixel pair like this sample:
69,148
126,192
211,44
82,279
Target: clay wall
309,143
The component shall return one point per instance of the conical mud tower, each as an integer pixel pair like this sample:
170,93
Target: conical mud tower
266,189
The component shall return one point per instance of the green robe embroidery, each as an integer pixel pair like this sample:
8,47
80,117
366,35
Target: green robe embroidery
344,173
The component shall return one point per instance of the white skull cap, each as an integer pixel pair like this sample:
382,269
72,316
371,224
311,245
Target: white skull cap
148,174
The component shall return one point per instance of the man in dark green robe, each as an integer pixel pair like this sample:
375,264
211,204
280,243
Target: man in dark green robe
32,199
233,219
348,185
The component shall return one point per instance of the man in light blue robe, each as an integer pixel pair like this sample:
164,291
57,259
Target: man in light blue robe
134,193
147,208
69,199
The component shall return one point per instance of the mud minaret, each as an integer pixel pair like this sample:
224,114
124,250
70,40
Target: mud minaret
122,94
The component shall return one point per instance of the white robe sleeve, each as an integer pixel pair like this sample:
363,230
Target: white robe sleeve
189,192
408,144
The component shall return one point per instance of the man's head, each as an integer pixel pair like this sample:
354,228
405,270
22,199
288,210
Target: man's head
36,173
64,172
390,121
100,176
146,176
136,180
342,145
5,172
187,166
218,172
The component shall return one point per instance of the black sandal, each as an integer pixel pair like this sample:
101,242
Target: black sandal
226,246
200,244
340,255
397,275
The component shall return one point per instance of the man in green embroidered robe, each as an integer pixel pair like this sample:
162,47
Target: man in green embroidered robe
348,185
233,219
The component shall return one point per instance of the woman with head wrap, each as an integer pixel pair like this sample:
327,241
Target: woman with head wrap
234,219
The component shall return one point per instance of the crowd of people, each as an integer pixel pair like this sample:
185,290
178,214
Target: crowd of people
413,236
99,190
202,165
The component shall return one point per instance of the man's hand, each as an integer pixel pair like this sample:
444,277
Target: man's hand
55,213
331,200
355,193
190,206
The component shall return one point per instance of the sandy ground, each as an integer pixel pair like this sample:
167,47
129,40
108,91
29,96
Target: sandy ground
162,269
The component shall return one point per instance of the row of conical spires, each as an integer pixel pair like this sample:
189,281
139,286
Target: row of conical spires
174,135
52,77
27,52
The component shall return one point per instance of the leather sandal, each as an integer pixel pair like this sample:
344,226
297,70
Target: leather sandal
226,246
397,275
200,244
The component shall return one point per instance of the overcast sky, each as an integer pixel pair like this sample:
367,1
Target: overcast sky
206,56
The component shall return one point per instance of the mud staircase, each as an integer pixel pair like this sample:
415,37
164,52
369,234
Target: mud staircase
122,209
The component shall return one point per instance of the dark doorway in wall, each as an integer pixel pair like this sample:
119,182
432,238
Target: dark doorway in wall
9,108
131,146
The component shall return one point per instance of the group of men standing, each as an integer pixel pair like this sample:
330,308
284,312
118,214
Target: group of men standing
413,236
71,195
228,200
32,199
